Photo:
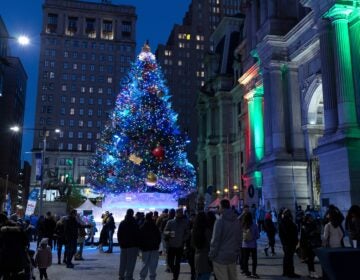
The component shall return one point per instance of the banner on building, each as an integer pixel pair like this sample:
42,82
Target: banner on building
33,196
38,166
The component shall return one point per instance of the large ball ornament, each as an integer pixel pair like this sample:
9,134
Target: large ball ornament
158,152
151,179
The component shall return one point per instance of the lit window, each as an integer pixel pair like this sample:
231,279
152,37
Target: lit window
72,111
98,135
52,75
72,100
63,87
82,180
74,66
83,89
197,37
109,80
79,147
179,62
188,36
88,147
81,123
100,90
91,89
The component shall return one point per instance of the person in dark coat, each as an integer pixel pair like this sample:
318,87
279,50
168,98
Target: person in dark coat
13,249
110,225
200,240
71,229
352,225
309,240
288,234
48,228
60,236
128,238
149,243
270,230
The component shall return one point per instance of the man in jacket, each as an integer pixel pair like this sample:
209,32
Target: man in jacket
128,238
225,243
177,232
288,234
71,229
150,239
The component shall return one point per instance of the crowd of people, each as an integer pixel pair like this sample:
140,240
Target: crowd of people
212,242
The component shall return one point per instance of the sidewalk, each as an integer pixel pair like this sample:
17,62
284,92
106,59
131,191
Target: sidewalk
105,266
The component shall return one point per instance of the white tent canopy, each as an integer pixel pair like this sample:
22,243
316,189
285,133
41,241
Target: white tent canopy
87,205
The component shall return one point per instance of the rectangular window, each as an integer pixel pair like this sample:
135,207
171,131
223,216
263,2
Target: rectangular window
52,21
107,30
72,26
72,111
70,146
126,29
90,30
79,147
88,147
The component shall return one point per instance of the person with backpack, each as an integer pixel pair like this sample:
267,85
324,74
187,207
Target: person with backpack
249,244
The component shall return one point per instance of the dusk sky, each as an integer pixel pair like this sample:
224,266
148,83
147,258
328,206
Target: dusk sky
155,21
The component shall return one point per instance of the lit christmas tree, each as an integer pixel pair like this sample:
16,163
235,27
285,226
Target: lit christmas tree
141,148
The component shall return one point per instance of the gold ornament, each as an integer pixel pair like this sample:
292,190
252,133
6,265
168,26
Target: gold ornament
135,159
151,179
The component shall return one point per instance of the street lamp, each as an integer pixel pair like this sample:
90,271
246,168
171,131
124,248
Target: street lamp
45,131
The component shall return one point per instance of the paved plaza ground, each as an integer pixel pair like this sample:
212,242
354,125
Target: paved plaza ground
105,266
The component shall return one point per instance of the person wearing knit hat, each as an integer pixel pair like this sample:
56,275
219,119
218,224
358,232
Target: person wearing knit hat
43,258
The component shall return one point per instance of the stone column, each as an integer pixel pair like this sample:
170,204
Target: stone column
272,8
263,11
296,136
355,46
328,78
343,67
267,111
277,109
254,27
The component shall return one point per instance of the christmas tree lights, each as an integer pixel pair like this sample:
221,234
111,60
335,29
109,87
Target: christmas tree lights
141,148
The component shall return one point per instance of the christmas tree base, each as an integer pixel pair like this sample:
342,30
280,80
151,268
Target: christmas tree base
139,202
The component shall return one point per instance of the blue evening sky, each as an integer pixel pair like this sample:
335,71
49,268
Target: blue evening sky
155,21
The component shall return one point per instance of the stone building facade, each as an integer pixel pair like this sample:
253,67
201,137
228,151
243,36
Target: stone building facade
297,74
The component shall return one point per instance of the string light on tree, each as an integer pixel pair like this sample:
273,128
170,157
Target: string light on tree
141,148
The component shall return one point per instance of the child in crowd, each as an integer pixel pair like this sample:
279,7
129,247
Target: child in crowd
43,258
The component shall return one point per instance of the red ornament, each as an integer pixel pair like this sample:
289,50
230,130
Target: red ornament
158,152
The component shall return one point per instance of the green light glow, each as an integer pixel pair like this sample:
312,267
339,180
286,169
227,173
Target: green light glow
258,179
256,121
